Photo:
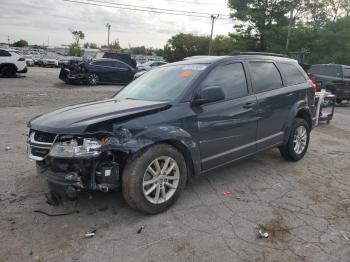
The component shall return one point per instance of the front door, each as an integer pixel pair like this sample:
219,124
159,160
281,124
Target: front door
227,129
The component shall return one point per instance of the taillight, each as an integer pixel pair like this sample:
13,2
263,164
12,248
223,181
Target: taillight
313,83
313,87
22,59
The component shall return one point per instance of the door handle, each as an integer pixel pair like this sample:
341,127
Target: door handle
290,94
249,105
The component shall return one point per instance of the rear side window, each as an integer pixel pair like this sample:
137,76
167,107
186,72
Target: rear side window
231,78
292,74
347,72
265,76
120,65
326,70
4,53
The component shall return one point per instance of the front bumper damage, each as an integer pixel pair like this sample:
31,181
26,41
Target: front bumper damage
67,177
67,75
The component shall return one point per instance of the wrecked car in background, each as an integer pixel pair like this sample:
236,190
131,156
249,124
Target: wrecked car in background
98,71
172,124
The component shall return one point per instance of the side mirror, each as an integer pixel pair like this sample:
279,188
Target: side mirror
209,94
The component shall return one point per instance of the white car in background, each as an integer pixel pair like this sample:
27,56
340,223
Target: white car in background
49,62
150,64
11,63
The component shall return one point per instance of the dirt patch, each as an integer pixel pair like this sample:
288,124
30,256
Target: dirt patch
334,131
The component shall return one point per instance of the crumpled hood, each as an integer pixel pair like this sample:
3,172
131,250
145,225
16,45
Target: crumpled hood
77,118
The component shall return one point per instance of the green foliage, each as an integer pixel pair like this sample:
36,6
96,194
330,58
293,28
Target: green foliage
78,35
142,50
20,43
259,19
75,50
184,45
91,45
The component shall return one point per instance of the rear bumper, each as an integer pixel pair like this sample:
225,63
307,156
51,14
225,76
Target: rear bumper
23,71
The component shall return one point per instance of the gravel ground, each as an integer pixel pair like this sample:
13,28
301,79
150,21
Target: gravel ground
304,206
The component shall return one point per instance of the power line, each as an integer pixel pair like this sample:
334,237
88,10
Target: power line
142,9
196,3
148,7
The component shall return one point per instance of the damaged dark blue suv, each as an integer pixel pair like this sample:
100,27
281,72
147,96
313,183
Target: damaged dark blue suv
174,123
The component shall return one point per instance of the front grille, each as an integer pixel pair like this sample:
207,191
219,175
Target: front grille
40,144
44,137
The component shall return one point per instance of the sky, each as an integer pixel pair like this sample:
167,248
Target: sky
50,21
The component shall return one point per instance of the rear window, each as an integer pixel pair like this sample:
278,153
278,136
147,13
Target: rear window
326,70
265,76
292,74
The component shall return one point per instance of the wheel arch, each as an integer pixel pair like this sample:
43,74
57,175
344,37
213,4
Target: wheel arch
8,64
299,110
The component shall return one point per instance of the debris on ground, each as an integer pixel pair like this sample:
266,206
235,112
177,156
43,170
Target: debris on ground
7,148
57,215
226,193
140,230
262,233
90,233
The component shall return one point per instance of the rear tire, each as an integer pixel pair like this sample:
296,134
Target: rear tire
298,141
150,187
8,71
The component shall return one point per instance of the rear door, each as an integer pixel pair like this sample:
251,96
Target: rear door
227,129
122,73
345,94
274,102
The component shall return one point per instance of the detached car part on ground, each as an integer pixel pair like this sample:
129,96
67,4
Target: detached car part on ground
98,71
174,123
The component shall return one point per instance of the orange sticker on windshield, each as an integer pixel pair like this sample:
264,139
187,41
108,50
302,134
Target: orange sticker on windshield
186,73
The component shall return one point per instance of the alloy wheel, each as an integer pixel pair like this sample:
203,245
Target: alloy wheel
300,139
161,180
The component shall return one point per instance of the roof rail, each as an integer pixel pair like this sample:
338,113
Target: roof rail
257,53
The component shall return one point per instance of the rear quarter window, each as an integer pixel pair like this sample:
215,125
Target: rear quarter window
347,72
292,74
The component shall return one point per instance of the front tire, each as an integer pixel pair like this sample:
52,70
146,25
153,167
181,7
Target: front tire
153,180
298,142
93,79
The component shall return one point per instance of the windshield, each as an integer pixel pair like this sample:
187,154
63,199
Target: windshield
162,84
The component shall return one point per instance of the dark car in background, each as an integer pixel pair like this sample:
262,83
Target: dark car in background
172,124
98,71
332,77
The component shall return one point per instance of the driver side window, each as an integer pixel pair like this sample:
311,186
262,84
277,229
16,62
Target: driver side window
230,77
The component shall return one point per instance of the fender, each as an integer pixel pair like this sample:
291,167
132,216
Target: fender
132,141
300,108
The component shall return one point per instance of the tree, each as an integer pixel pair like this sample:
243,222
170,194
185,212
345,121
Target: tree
113,45
183,45
20,43
74,49
258,18
78,35
91,45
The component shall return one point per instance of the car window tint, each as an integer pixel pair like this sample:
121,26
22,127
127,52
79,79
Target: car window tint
120,65
330,71
347,72
4,53
231,78
292,74
265,76
100,63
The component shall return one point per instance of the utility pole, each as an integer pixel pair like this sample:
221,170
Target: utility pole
8,40
109,30
213,19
